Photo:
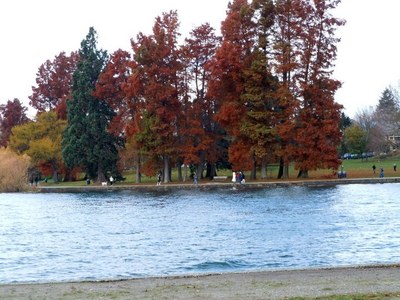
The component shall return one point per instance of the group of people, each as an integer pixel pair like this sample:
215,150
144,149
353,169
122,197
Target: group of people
238,177
34,180
381,171
111,180
342,173
160,178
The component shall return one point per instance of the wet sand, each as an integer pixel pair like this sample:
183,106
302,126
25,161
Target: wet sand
381,280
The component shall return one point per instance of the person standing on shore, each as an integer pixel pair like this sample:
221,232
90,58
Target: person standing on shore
394,167
159,177
381,174
195,179
373,168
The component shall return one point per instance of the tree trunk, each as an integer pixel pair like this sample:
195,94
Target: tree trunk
200,173
303,174
264,167
138,177
253,175
180,170
100,174
185,172
200,168
286,172
211,171
281,167
70,175
55,176
55,172
167,176
208,171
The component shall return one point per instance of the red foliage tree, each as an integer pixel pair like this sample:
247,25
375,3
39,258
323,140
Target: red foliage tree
110,87
11,114
158,67
227,85
287,27
317,124
54,79
199,131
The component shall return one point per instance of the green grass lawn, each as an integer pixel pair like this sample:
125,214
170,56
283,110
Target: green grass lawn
355,168
363,168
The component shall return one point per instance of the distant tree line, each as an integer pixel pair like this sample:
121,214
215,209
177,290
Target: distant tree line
262,92
375,129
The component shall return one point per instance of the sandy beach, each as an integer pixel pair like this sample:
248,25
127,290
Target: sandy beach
381,281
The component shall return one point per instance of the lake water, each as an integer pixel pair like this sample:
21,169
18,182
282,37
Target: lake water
127,234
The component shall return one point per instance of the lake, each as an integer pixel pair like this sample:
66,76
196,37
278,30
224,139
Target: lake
128,234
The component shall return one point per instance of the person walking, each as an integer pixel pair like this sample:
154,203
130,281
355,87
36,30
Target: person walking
374,168
195,179
381,174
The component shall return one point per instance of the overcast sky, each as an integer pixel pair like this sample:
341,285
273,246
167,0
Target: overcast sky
33,31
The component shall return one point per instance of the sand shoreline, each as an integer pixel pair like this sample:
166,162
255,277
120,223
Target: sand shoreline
274,284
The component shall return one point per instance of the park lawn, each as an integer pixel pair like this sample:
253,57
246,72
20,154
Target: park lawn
355,168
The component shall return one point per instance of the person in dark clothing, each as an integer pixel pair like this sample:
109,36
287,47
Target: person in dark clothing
381,174
159,178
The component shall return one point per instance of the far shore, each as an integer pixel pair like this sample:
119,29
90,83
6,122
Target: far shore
368,282
214,184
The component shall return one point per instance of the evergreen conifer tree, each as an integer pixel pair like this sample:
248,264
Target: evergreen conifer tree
86,141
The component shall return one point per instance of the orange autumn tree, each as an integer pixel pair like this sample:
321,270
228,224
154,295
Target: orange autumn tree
199,131
265,110
227,86
111,87
285,63
157,58
51,93
272,78
54,80
12,114
317,134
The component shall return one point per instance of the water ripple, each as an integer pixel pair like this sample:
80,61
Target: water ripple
58,237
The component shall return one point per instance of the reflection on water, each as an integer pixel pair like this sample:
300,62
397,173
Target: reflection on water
56,237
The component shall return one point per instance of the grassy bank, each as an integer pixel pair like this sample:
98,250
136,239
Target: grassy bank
355,168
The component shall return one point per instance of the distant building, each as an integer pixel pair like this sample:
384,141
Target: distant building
394,141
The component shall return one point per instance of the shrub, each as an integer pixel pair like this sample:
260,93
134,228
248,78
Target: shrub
13,171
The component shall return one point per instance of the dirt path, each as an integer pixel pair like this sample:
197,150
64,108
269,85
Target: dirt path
253,285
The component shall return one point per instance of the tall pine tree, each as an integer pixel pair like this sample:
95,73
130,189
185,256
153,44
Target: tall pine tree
86,141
